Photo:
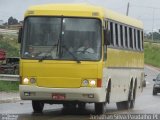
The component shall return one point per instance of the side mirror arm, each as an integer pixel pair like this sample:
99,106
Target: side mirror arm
20,35
107,37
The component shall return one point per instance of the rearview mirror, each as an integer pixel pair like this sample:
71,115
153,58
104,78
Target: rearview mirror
107,37
20,35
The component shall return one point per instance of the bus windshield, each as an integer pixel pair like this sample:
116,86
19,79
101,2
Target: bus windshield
62,38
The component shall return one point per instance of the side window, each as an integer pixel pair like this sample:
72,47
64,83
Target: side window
111,29
116,33
106,23
131,38
121,34
135,39
126,37
139,40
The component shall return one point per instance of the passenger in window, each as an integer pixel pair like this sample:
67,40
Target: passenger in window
85,48
30,52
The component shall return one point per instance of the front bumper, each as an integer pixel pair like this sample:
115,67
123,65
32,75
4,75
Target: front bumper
157,89
71,94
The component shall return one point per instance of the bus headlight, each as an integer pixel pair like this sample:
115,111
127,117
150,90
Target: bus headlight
26,81
85,83
32,80
92,82
89,83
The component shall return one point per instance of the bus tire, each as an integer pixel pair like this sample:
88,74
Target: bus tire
132,104
134,96
122,105
108,93
37,106
125,105
99,108
81,106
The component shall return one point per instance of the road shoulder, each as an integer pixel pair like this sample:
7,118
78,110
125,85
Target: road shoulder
7,97
152,67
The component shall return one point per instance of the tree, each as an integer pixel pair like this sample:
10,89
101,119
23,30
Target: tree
12,21
156,36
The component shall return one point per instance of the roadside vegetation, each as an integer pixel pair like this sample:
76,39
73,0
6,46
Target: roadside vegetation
152,54
9,44
9,86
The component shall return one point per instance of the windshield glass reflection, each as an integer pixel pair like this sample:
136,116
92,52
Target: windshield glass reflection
62,38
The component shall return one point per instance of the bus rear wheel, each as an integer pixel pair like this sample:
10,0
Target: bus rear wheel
129,104
37,106
123,105
134,97
99,108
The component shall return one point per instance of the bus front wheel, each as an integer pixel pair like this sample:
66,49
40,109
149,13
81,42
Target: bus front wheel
99,108
37,106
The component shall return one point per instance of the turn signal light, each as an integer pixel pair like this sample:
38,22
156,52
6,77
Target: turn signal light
99,82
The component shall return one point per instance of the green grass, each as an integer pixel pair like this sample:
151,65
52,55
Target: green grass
10,45
152,54
9,86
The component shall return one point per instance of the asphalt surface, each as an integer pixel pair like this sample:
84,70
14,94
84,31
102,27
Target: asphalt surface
147,105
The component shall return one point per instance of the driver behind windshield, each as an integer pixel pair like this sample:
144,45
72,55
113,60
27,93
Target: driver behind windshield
85,48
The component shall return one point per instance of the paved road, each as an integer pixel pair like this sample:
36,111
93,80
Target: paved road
145,104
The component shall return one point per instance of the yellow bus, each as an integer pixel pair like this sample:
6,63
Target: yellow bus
73,54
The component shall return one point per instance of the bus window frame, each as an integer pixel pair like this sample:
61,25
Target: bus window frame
101,32
126,47
111,32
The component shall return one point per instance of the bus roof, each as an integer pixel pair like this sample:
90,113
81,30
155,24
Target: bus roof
79,10
123,19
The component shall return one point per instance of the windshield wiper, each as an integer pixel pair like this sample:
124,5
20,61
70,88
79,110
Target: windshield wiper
75,58
43,58
46,54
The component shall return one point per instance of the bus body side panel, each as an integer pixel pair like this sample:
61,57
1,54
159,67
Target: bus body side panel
121,67
120,80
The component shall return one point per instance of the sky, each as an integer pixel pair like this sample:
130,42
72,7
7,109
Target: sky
145,10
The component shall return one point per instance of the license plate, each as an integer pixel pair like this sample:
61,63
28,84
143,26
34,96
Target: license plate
57,96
